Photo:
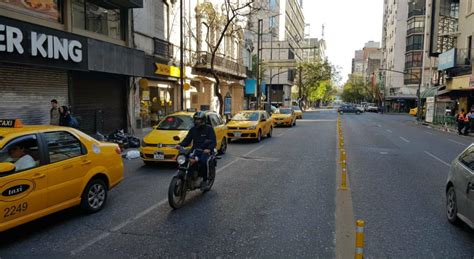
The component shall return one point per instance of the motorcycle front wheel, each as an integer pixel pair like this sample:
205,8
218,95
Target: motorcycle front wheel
176,192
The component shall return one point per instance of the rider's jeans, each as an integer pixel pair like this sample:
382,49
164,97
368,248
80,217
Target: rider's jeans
203,165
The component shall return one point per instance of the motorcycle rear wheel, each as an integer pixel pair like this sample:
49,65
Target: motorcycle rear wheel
210,180
176,193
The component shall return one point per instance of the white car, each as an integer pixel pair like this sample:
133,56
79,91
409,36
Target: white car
372,108
460,188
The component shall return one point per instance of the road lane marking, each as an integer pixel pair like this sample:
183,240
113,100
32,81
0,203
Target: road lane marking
318,120
145,212
431,133
389,131
457,142
437,158
404,139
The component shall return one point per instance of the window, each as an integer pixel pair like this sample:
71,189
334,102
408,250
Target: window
416,25
98,19
62,145
414,42
179,122
215,121
23,152
467,158
166,19
46,9
412,76
413,59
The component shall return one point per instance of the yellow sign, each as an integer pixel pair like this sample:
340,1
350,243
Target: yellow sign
162,69
186,86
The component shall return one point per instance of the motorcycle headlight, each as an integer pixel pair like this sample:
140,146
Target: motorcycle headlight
252,127
181,159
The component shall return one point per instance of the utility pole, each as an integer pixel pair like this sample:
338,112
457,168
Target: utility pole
259,49
300,84
181,53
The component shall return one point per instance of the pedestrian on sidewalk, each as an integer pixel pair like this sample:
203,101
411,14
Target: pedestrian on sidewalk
467,124
460,119
59,115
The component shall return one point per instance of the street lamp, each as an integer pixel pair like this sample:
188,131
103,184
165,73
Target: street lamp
418,93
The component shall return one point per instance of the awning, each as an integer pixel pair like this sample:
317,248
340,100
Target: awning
429,92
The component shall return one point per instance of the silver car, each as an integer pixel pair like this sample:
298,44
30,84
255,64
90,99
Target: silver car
460,188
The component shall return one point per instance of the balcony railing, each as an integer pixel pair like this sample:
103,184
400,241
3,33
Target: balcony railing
222,65
415,30
413,64
163,48
463,63
414,47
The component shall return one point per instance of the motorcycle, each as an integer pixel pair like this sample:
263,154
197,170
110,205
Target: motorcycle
187,178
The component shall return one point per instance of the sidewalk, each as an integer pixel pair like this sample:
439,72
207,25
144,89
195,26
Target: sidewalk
444,128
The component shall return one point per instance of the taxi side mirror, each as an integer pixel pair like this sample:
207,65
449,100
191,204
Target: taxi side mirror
7,167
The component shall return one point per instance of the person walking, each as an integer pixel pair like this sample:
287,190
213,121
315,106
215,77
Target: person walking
55,113
460,119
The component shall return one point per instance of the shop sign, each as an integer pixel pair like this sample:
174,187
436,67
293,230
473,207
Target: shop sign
26,43
228,104
165,70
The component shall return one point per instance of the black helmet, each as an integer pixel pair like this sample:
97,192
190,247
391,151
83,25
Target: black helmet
199,116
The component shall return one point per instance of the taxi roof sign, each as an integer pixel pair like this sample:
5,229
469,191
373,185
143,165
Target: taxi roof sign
10,123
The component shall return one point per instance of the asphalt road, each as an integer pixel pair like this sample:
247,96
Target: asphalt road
274,198
397,171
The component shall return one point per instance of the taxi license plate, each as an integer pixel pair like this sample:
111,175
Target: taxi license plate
159,156
237,134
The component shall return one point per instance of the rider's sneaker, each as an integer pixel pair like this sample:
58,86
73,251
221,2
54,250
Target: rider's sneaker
204,185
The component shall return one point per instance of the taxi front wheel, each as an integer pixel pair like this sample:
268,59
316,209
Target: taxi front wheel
94,196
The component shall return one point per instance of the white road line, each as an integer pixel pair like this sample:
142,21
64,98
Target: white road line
389,131
457,142
404,139
431,133
319,120
146,211
437,158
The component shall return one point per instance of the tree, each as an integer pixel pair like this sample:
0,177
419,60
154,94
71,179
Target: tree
317,81
220,25
357,89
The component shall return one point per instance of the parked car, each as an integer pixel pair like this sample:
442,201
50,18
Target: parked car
348,109
45,169
372,108
250,125
460,188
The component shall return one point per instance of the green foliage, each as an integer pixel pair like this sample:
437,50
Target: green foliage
317,81
358,90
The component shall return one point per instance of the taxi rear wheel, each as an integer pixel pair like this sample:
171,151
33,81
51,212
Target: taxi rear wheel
270,133
94,196
259,136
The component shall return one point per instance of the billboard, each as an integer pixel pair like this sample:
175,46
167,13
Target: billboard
447,59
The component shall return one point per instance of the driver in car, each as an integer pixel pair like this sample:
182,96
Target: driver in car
22,160
203,138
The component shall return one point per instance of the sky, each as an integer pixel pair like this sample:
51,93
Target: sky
348,25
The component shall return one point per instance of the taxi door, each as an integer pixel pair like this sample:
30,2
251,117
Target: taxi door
68,163
23,194
267,123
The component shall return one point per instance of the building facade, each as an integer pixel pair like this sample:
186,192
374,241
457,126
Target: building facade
76,51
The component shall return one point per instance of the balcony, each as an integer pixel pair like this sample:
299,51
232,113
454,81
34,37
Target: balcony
416,46
114,4
222,65
163,48
462,64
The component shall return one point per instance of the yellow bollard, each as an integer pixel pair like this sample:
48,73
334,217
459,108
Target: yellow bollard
359,239
343,155
344,179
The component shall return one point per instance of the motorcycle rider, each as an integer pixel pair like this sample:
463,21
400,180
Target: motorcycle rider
204,138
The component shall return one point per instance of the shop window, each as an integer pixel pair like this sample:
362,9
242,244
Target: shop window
45,9
95,18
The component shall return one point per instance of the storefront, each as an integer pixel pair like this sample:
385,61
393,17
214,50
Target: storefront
34,65
38,64
158,93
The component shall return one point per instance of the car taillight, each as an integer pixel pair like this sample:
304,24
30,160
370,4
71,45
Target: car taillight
118,151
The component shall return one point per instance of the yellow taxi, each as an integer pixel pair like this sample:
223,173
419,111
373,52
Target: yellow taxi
298,112
159,145
250,125
45,169
284,117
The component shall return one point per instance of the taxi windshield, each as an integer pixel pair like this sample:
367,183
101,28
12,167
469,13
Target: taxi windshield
246,116
284,111
179,122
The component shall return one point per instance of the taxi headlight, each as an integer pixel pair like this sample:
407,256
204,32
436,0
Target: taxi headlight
253,127
181,159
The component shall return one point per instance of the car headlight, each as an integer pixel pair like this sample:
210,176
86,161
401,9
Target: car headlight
252,127
181,159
